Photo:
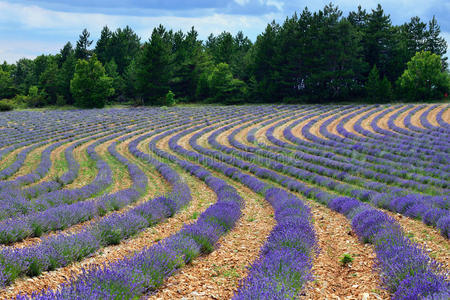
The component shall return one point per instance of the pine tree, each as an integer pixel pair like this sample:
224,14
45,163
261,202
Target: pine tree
102,48
373,84
82,51
378,41
118,83
49,81
153,68
435,43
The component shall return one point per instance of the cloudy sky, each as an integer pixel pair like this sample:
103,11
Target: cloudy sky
32,27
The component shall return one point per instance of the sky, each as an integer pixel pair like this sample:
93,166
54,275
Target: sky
29,28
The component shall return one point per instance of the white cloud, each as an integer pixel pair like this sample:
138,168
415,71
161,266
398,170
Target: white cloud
34,30
242,2
59,27
11,51
278,4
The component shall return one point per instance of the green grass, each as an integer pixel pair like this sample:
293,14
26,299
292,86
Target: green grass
119,170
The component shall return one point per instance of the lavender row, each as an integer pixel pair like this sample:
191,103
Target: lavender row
61,249
19,206
43,168
418,146
148,268
330,168
432,210
65,215
433,138
378,162
286,259
440,120
285,263
342,148
406,268
381,135
307,151
393,152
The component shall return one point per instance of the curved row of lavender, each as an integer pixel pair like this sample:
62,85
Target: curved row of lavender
433,210
66,214
60,209
407,270
63,208
61,249
285,262
145,270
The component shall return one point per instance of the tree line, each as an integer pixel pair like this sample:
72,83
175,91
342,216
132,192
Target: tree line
311,57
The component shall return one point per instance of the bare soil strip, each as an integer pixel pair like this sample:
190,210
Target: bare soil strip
156,186
9,158
58,159
121,178
87,171
333,126
383,122
415,119
400,120
446,115
333,280
366,123
350,124
217,275
432,116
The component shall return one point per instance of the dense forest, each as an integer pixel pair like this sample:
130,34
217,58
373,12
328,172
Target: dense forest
312,57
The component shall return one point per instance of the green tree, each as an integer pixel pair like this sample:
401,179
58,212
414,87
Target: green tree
123,47
34,97
378,41
48,81
83,43
373,84
118,82
23,75
7,89
224,88
90,86
65,53
378,91
66,68
435,43
154,67
424,78
102,48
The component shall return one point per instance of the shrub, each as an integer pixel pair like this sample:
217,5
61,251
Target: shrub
170,99
5,106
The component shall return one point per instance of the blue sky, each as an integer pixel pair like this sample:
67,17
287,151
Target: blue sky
32,27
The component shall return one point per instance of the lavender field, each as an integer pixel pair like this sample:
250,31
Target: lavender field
226,202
